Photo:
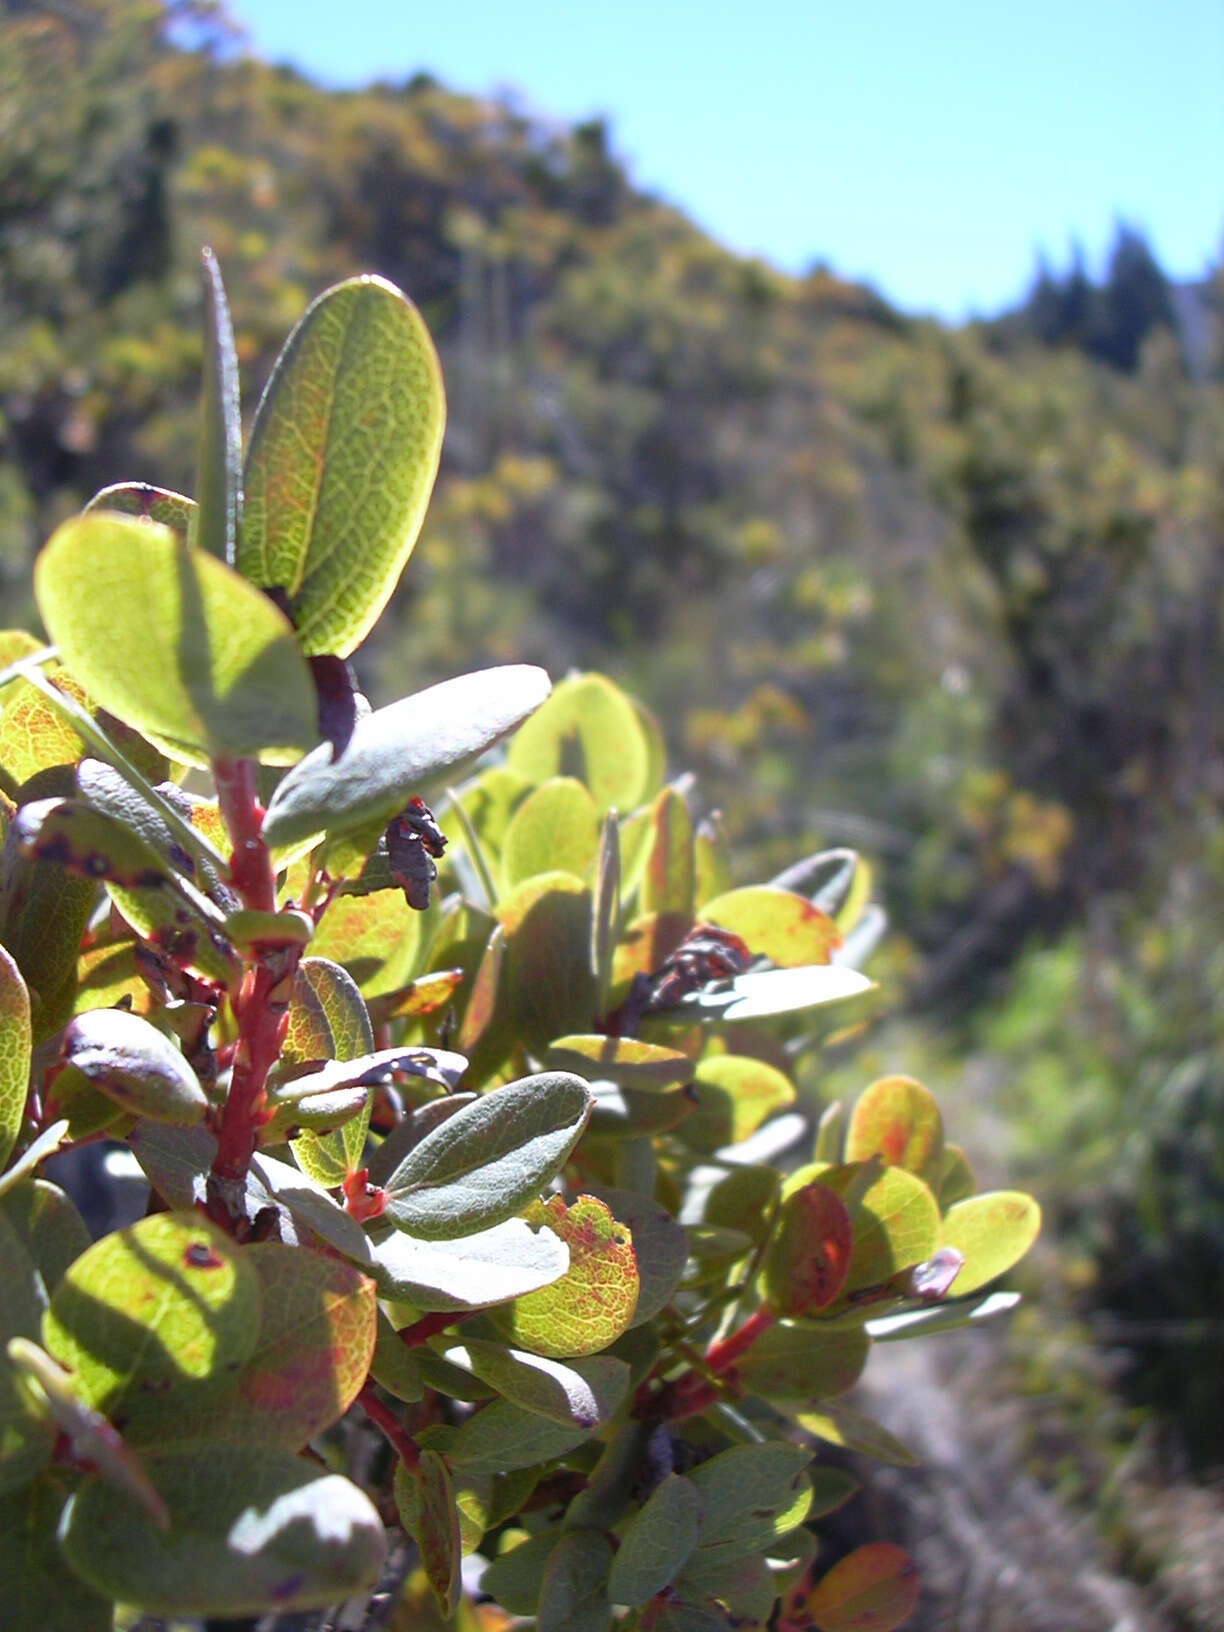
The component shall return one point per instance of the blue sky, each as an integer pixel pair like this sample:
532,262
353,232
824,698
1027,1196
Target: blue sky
930,147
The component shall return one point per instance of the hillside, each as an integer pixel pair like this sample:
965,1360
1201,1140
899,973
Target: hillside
964,584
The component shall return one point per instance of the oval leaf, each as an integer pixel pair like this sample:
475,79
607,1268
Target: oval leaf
809,1256
484,1164
595,1300
872,1589
656,1543
342,460
250,1530
580,1399
574,1592
135,1065
174,642
154,1318
994,1231
489,1267
555,828
897,1119
405,749
589,730
623,1060
776,924
425,1498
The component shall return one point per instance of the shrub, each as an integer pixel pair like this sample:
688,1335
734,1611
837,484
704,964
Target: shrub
471,1136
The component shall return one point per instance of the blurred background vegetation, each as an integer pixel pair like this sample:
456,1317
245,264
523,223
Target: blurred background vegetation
949,595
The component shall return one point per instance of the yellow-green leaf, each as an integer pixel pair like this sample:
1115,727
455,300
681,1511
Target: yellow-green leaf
342,460
897,1119
994,1231
594,1301
174,642
15,1042
775,924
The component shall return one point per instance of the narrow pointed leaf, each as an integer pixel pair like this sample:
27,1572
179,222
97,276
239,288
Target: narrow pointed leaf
219,463
342,460
173,642
485,1164
411,747
250,1530
669,881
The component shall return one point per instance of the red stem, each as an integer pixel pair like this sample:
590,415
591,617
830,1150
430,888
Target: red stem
697,1389
392,1429
262,1000
430,1325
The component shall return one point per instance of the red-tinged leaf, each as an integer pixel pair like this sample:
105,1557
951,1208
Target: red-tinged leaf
735,1094
668,882
898,1119
872,1589
425,1498
316,1340
594,1301
809,1257
776,924
896,1221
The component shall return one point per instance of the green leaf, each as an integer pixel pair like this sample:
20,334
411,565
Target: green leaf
135,1065
27,1432
775,924
808,1259
376,937
219,462
39,1594
425,1498
491,1266
485,1163
503,1436
590,730
669,880
411,747
343,1012
742,1588
873,1589
43,913
154,1318
749,1495
15,1043
623,1060
594,1301
656,1543
549,983
896,1222
394,1366
173,510
48,1226
174,642
994,1231
515,1576
250,1530
342,459
804,1361
839,1424
555,829
735,1094
574,1592
562,1393
898,1119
